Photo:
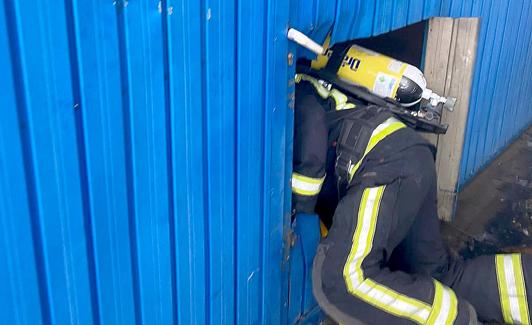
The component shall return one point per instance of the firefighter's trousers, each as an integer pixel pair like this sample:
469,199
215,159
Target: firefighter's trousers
384,262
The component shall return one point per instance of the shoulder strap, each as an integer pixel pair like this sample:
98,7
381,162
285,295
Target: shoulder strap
354,137
338,52
335,116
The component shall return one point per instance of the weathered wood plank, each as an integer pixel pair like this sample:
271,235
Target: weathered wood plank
437,52
458,82
449,62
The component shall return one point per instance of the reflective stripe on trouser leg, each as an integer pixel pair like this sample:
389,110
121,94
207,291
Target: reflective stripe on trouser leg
512,290
307,186
445,305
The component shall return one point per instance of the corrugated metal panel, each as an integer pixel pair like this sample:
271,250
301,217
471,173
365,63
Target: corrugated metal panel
350,19
47,128
143,161
145,148
95,55
20,255
500,105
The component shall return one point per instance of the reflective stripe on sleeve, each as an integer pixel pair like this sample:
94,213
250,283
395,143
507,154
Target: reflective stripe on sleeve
320,89
512,290
382,131
340,98
307,186
444,309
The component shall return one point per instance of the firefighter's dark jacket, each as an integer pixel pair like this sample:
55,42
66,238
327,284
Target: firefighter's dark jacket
384,261
315,140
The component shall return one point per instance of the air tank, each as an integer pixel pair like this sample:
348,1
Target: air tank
383,76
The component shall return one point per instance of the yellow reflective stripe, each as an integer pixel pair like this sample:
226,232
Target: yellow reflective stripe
503,292
340,99
304,185
362,239
436,304
512,291
391,301
420,305
382,131
453,312
444,306
321,89
307,179
521,289
345,106
352,265
368,290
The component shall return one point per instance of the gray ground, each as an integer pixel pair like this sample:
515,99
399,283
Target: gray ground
494,212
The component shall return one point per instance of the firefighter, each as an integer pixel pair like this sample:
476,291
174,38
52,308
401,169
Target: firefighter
383,260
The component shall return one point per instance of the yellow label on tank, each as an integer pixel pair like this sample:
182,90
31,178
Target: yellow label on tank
379,73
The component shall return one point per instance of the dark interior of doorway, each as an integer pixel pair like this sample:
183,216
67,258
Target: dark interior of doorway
405,44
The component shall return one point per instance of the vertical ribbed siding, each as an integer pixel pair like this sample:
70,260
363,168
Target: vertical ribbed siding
220,130
143,156
47,129
145,148
350,19
101,107
500,107
277,168
249,120
23,288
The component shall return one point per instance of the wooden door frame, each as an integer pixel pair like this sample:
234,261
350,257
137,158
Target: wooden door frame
450,54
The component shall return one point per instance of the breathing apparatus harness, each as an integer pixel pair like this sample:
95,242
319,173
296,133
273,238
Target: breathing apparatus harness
358,124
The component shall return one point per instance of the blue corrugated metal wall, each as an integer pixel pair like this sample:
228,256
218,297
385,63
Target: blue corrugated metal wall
500,107
145,148
356,19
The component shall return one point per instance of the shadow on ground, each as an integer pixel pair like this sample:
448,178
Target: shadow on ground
494,211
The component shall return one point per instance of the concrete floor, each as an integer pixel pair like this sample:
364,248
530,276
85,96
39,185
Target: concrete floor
494,211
